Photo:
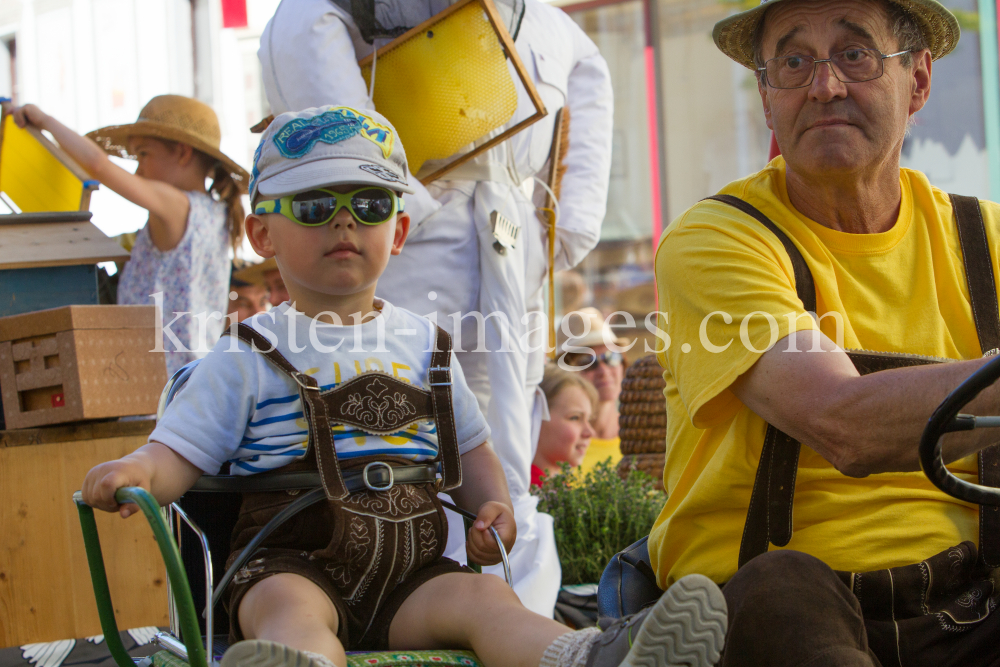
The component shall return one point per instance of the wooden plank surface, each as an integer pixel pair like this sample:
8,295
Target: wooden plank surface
45,589
92,430
56,244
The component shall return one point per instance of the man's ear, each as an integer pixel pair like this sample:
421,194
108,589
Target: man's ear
921,86
402,231
259,236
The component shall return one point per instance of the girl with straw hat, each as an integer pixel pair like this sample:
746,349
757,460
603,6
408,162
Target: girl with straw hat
180,259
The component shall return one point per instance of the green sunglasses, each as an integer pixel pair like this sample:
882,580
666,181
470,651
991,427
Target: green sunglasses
369,205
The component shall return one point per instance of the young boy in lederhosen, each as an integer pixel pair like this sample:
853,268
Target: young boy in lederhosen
354,387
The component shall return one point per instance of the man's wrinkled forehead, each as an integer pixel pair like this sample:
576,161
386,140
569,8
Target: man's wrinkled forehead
788,23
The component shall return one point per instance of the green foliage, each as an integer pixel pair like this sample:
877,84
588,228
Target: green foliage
597,515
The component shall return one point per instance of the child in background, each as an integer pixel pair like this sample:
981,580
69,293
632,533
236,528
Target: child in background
566,435
363,569
183,251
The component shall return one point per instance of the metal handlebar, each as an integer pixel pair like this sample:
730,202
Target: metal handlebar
946,419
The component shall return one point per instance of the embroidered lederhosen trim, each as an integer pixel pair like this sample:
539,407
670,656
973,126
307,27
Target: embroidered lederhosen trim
769,516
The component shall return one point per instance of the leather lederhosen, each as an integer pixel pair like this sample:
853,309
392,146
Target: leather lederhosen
364,543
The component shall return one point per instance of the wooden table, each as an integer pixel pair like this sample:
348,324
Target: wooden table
45,589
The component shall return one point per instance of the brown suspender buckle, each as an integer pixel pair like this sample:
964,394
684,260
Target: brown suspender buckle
368,482
434,379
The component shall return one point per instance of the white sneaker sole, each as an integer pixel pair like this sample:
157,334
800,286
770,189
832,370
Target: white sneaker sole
262,653
686,627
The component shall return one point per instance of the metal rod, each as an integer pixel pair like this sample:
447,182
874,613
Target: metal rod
987,422
172,644
206,553
172,615
496,536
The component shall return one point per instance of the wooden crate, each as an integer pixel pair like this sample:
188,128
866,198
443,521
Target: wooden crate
79,362
45,588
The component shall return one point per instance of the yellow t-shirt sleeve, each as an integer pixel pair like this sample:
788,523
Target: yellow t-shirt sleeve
727,291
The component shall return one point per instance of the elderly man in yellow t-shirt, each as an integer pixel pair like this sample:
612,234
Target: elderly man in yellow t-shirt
873,565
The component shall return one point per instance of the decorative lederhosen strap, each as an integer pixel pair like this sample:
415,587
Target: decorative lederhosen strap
374,402
769,517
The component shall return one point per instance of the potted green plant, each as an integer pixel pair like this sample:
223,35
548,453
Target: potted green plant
595,515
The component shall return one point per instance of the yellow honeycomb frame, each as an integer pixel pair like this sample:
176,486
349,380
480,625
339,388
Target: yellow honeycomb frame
36,174
484,103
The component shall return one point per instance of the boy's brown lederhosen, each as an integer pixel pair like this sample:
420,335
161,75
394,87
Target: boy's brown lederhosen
952,591
368,550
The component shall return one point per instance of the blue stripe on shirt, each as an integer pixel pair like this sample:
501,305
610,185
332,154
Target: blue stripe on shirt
290,398
274,420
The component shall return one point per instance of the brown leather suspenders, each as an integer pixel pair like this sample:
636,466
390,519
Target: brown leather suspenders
374,402
769,517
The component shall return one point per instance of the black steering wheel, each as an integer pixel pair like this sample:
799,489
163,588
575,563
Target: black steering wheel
947,419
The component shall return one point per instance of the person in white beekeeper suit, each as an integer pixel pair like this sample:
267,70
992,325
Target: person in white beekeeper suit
309,53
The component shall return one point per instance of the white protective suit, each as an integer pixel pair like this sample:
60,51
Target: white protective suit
309,52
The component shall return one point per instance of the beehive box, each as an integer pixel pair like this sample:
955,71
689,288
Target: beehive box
642,424
79,362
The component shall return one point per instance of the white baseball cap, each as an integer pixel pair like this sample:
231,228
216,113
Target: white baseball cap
324,146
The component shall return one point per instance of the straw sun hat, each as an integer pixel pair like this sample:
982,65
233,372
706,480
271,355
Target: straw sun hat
254,273
734,35
174,118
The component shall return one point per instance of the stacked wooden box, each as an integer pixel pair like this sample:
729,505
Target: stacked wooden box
79,362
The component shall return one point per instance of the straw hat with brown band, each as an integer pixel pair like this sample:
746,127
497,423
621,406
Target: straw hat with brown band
174,118
254,273
734,35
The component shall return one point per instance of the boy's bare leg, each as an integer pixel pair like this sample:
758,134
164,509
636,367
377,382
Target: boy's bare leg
291,610
477,612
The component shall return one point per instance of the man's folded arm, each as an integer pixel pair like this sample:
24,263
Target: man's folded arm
865,424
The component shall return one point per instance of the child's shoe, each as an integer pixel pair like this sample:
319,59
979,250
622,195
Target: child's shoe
687,626
262,653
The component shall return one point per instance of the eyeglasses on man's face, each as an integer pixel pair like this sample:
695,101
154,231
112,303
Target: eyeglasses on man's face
851,66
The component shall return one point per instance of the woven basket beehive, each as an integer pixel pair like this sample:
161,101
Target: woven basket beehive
642,424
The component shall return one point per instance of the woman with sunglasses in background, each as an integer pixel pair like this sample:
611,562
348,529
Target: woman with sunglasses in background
585,349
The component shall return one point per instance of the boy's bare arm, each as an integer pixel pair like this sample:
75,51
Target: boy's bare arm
154,467
484,491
